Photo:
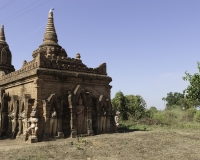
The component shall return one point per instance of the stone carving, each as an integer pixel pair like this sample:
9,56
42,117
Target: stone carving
103,120
89,113
25,108
12,123
53,112
32,124
80,109
103,115
12,115
53,122
116,119
22,123
73,119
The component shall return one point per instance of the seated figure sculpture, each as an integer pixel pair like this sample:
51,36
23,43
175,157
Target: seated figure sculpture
80,115
53,122
116,118
32,123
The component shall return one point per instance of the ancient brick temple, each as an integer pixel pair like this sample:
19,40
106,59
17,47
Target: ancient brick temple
53,95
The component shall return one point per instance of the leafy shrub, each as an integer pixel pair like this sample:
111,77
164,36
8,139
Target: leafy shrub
170,117
173,107
189,114
167,117
148,114
197,116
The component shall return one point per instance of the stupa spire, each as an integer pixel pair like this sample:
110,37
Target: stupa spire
2,34
5,56
50,36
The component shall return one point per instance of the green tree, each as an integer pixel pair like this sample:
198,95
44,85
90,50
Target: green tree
193,90
136,106
173,98
119,103
186,103
153,109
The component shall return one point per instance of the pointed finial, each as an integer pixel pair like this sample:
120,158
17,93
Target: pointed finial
2,34
50,36
51,13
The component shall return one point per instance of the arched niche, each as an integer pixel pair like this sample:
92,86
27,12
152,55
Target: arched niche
80,92
94,115
86,97
4,113
52,102
103,105
25,104
25,107
13,110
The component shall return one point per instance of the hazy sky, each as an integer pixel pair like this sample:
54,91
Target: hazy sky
147,44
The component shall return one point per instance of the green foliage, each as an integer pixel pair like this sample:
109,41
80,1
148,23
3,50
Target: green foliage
78,147
173,107
119,103
167,117
170,117
134,112
136,106
173,98
187,103
148,114
193,90
197,116
153,109
130,106
189,115
178,100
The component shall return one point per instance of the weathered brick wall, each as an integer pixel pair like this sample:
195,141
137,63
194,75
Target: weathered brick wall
21,88
50,84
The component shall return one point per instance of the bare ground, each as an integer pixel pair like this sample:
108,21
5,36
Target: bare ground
138,145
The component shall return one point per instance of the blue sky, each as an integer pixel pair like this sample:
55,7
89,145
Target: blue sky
147,44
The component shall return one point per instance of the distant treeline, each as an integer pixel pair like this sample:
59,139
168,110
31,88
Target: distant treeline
179,107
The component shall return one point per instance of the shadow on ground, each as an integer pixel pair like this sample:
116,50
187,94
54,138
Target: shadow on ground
123,129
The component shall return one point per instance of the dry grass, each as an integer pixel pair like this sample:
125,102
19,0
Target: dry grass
157,144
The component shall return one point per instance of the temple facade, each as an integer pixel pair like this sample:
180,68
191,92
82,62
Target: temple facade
52,96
